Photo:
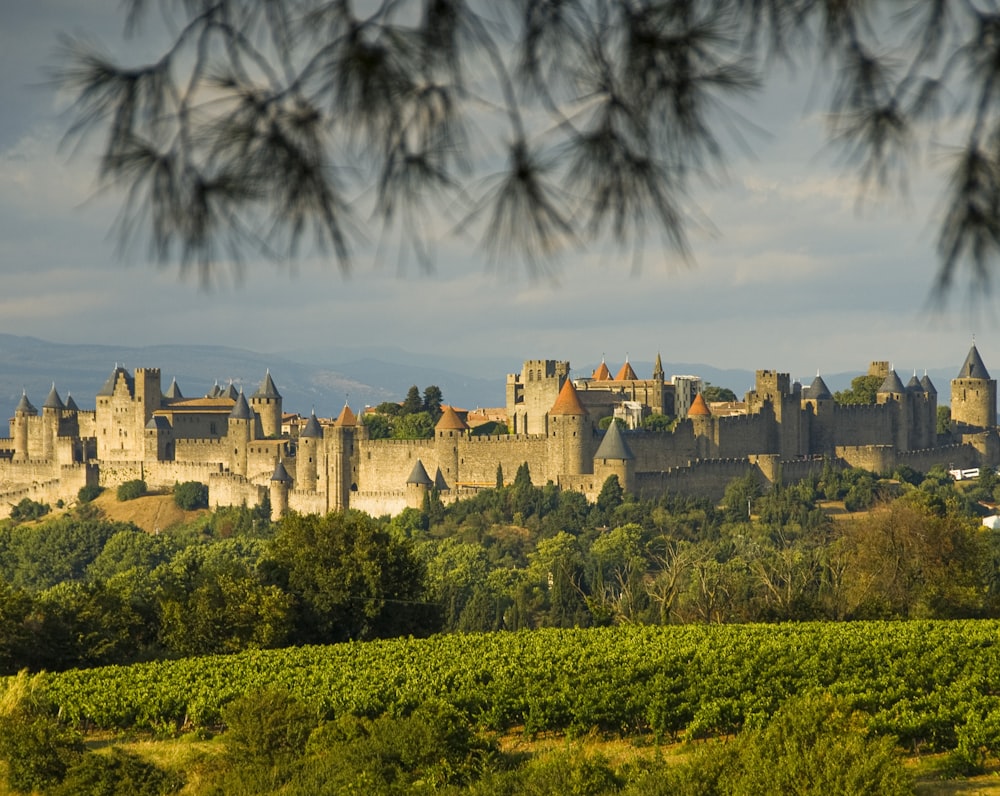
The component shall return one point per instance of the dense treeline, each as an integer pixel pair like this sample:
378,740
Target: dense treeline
81,591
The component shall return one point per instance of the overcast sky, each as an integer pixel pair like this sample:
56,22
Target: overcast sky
794,277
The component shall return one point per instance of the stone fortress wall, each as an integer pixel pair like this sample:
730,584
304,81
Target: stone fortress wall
233,443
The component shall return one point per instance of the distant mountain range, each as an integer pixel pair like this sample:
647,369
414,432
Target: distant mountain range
307,381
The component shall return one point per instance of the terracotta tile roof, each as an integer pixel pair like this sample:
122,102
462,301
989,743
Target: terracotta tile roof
626,373
345,418
699,408
602,373
568,402
450,420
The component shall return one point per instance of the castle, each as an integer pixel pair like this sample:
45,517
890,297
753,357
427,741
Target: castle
236,445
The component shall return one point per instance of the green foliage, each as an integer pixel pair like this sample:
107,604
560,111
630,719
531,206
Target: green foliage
658,422
943,420
491,428
379,425
267,727
89,492
117,773
740,496
413,403
416,425
432,401
864,390
131,490
28,509
713,393
191,495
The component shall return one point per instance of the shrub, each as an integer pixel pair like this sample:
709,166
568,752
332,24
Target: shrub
130,490
28,509
117,773
89,492
191,495
267,726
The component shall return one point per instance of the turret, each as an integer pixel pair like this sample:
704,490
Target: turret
569,434
51,414
340,458
417,486
22,412
266,402
281,483
704,429
449,430
973,397
310,445
819,401
893,392
614,457
240,428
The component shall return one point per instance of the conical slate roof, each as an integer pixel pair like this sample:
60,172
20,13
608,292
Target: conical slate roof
626,373
280,473
24,405
241,409
818,390
439,483
450,421
228,392
928,385
892,384
267,388
173,391
215,392
914,385
613,446
53,401
312,428
71,404
568,402
419,475
346,418
699,408
973,368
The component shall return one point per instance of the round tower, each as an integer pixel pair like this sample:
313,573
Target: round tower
417,486
266,402
449,430
281,483
310,442
701,421
51,414
819,401
22,412
569,434
240,422
614,457
973,397
340,475
892,393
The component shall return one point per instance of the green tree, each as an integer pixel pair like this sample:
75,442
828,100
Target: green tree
864,390
943,420
657,422
418,425
413,403
432,401
131,490
379,425
351,579
191,495
389,91
711,392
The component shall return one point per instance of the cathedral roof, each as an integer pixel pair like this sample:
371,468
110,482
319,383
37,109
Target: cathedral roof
24,405
626,373
568,402
241,410
973,367
819,390
450,421
109,386
419,475
280,473
699,408
602,373
892,384
53,401
928,385
345,418
312,428
267,388
173,391
613,446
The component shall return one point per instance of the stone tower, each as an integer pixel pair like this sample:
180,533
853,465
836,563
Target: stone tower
340,444
973,397
417,486
819,400
307,458
266,402
569,434
531,393
893,393
614,457
51,415
241,421
703,428
449,430
22,412
281,482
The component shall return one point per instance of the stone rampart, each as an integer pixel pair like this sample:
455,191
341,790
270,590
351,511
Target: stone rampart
478,458
385,464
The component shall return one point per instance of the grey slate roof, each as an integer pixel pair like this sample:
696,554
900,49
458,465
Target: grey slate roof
892,384
215,392
24,405
241,409
173,391
280,473
973,368
613,446
267,388
109,385
928,385
312,428
914,385
819,390
53,401
419,475
440,484
71,404
158,423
